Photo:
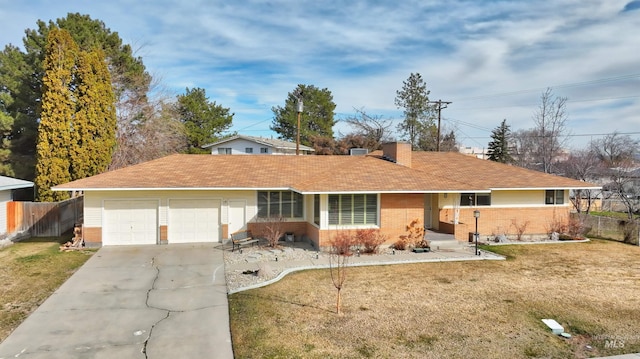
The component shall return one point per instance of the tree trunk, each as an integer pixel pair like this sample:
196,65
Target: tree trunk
339,303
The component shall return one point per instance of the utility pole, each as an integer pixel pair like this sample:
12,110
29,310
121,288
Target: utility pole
300,108
439,108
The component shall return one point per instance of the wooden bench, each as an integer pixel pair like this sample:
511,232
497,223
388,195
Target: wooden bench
242,238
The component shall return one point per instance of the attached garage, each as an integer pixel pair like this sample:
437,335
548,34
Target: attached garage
130,222
193,220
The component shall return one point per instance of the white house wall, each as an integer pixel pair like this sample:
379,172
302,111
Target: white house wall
238,147
5,197
504,198
531,198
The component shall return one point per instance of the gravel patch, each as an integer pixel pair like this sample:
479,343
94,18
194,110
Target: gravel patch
255,265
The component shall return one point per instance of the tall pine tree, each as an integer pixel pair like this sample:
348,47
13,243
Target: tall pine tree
204,121
94,126
499,145
58,109
316,119
6,124
418,113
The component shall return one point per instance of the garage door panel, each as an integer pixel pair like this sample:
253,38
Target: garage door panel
130,222
194,220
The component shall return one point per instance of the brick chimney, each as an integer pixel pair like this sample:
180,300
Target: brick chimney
399,152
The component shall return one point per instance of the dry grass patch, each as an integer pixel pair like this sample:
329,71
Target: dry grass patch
30,271
451,310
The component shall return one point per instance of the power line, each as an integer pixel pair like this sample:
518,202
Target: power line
568,85
578,135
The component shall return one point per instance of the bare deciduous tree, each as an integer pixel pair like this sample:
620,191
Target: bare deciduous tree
523,146
582,165
550,129
271,228
339,252
375,129
617,153
146,129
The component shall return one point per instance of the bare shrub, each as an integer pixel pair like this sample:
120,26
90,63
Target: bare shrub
520,228
415,235
370,240
575,227
343,243
340,250
556,226
271,228
400,244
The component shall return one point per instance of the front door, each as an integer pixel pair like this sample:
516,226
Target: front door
237,215
427,211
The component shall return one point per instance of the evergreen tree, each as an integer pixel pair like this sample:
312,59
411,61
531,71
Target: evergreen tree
316,118
58,108
6,124
16,85
94,125
203,121
21,76
499,145
418,114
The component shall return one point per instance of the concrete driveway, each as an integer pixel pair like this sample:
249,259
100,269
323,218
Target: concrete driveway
133,302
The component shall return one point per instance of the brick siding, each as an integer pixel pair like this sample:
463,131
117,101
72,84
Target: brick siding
494,221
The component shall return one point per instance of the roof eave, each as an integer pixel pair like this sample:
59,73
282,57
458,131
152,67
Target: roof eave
15,186
544,188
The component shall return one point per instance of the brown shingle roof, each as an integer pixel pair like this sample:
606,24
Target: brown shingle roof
431,172
486,174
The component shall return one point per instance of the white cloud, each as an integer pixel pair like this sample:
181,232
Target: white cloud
491,58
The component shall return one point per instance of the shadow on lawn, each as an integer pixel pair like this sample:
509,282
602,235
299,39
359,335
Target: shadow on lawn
67,236
245,295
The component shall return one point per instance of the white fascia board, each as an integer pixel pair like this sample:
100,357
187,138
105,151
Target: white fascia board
541,188
173,189
393,192
15,186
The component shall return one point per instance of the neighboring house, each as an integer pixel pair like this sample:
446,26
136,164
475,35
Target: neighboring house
249,145
8,186
478,152
196,198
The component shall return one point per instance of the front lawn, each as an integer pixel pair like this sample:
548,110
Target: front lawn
30,271
452,309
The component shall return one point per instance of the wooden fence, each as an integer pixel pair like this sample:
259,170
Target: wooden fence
44,219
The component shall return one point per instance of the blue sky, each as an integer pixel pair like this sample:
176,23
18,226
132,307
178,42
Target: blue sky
492,59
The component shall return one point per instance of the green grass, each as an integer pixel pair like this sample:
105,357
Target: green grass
619,215
30,271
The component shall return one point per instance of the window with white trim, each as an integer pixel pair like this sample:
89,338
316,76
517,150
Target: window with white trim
353,209
224,150
475,199
248,150
264,150
287,204
554,196
316,209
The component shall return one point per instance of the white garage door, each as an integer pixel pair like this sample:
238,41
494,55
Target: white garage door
194,220
130,222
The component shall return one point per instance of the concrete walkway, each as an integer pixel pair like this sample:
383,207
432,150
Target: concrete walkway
133,302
